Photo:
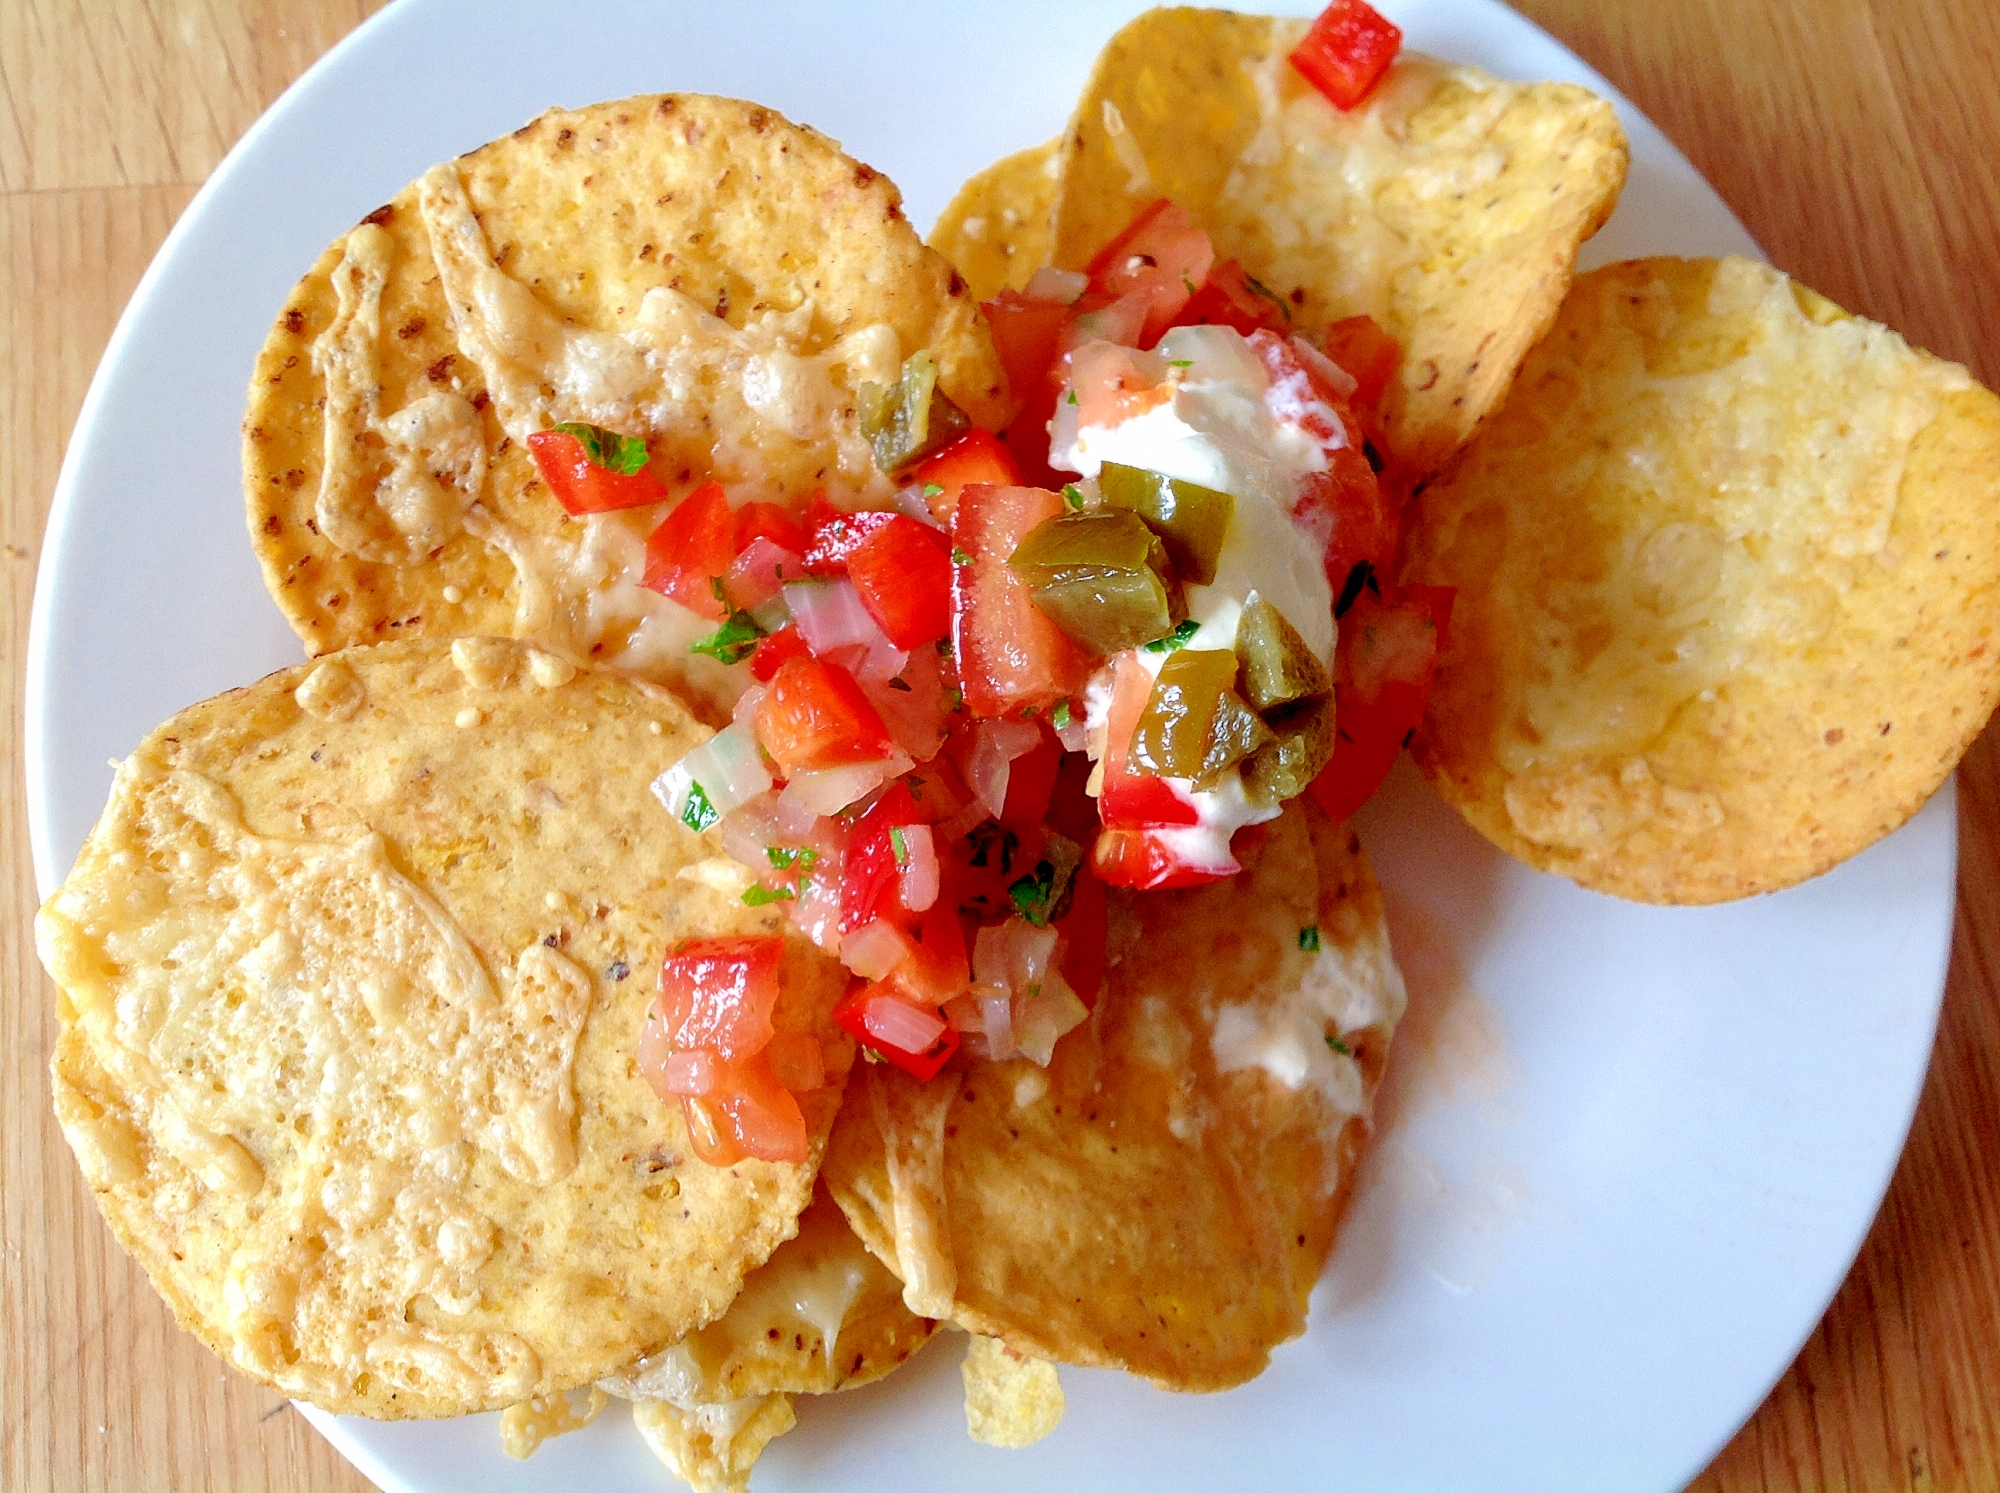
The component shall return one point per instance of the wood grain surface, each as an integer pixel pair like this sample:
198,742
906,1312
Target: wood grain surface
1858,139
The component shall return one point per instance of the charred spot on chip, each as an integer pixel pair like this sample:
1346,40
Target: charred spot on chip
383,216
295,320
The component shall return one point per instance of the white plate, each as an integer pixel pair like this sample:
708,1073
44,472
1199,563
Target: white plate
1631,1151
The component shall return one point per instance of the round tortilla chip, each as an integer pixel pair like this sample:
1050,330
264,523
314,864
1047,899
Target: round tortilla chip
996,230
1448,205
352,973
1163,1197
1728,570
766,273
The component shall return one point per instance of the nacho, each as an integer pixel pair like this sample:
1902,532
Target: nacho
1203,1124
693,271
1448,206
1011,1400
352,971
996,230
1728,570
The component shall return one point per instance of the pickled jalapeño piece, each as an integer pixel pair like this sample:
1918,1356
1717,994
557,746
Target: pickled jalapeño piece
1277,666
1300,747
912,418
1194,521
1234,734
1194,724
1103,577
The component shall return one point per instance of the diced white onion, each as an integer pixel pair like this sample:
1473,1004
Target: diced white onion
691,1070
874,949
995,744
898,1024
830,615
1013,955
1337,378
964,822
919,870
831,789
912,501
1060,287
1074,732
728,768
1040,1019
998,1014
745,713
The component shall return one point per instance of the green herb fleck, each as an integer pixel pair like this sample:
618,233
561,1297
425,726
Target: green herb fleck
1060,716
757,896
1030,895
1269,294
1073,495
1180,362
1309,938
607,448
1070,398
932,490
698,813
715,586
870,1055
1187,283
1340,1047
785,858
959,556
898,848
1176,639
732,642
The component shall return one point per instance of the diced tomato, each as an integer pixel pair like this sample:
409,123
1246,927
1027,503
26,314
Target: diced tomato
1109,386
867,1012
833,534
903,571
797,1061
1346,51
1149,860
939,969
690,551
1031,780
1072,808
1381,686
718,993
1160,258
868,871
786,642
1084,928
1369,354
1231,298
813,715
1127,799
772,521
581,485
976,456
1350,517
748,1113
1028,336
1009,653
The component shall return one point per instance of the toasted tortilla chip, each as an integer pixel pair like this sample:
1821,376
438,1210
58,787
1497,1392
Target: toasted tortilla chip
996,230
1728,570
1448,206
352,971
1011,1399
1162,1198
524,1427
695,271
712,1448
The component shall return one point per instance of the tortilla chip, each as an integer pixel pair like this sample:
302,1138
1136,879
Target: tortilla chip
1729,577
389,489
1011,1399
1448,206
996,230
351,975
1162,1198
712,1448
524,1427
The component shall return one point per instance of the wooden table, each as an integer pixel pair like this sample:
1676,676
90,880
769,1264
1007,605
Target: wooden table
1858,139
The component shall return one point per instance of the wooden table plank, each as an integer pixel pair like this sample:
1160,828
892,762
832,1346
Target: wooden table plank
1858,139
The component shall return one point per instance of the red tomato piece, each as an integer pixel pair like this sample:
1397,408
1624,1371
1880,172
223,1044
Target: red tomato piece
762,1116
759,572
1346,510
1110,387
833,534
1084,928
1031,781
718,993
1348,48
1009,653
1375,715
854,1012
1147,860
1368,354
976,456
690,551
814,715
1127,799
786,642
1029,337
581,485
1230,297
868,870
903,572
797,1061
1160,258
772,521
940,968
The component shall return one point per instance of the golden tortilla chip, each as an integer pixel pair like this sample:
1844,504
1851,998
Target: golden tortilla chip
712,1448
1162,1198
1729,578
524,1427
1011,1399
352,973
1448,206
694,271
996,230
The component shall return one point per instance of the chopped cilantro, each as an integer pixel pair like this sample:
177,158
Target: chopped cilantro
1189,284
932,490
1073,495
732,642
1060,716
607,448
715,587
757,896
1176,639
785,858
898,848
1340,1047
1269,294
1180,362
1070,398
959,556
698,813
1031,894
1309,938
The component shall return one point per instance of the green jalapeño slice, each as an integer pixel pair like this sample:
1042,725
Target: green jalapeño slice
909,420
1278,667
1194,521
1103,577
1195,725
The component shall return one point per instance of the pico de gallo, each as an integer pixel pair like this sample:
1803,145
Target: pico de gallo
1091,650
